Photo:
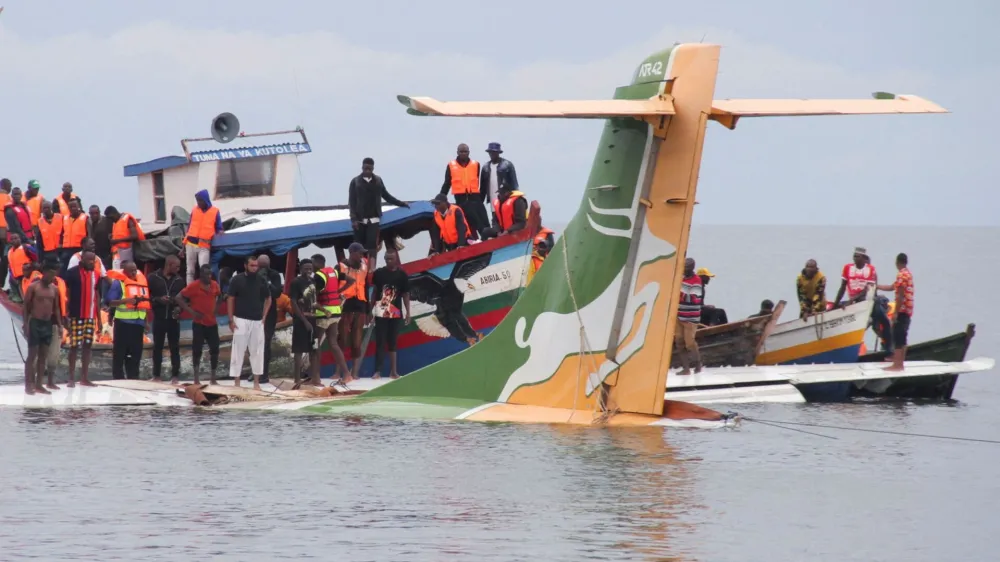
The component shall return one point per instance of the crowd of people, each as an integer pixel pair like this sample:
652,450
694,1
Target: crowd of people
79,282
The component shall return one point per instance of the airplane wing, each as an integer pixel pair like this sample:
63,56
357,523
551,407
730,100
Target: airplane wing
728,112
567,109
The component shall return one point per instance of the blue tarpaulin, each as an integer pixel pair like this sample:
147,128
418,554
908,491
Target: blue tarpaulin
279,233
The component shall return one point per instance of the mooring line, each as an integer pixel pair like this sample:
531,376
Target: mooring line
882,431
790,428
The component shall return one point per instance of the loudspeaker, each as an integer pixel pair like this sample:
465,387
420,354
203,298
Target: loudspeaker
225,127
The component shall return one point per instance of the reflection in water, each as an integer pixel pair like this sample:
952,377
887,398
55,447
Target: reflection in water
636,477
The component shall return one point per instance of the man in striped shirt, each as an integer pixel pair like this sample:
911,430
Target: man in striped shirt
688,317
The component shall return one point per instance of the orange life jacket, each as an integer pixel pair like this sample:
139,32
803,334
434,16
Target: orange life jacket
23,218
120,230
202,227
61,205
464,179
16,258
60,286
357,290
4,199
329,297
543,234
505,211
34,206
51,231
74,231
27,281
448,225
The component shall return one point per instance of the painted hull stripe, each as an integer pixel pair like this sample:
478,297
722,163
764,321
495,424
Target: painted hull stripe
799,352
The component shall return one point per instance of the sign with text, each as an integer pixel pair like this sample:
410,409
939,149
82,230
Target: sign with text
250,152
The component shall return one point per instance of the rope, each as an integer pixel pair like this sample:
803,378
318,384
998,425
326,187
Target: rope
585,348
882,431
818,326
17,340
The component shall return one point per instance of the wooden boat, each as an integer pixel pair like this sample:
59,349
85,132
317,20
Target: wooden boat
951,348
735,344
453,295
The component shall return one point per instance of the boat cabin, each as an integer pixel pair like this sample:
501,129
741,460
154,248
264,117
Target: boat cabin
240,174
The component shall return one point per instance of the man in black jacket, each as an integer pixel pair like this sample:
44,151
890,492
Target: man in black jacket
498,171
364,199
271,320
164,286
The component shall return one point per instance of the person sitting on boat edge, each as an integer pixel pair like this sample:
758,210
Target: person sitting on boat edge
200,298
688,316
766,309
811,289
128,295
510,213
204,224
710,315
391,310
355,308
302,294
330,282
365,194
450,229
903,311
83,318
461,178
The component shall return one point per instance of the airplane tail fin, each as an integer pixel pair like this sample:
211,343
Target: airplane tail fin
594,329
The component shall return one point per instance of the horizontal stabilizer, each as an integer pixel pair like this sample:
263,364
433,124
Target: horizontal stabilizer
728,112
564,109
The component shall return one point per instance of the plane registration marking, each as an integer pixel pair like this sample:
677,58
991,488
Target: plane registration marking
651,69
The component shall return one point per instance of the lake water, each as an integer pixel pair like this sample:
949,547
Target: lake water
143,484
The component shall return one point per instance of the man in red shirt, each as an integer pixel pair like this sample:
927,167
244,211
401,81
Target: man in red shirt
688,318
856,278
200,299
903,287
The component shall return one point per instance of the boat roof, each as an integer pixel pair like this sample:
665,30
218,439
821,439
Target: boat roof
279,231
241,148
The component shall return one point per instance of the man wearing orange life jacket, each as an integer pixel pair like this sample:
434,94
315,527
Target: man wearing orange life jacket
18,217
205,222
76,229
461,177
450,229
48,232
62,201
33,200
510,213
88,245
546,235
538,256
5,187
354,294
128,295
18,256
329,283
124,234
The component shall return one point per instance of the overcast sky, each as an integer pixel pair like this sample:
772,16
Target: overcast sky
91,86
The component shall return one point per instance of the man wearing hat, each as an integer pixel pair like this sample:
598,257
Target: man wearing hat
710,315
856,278
498,171
462,179
450,229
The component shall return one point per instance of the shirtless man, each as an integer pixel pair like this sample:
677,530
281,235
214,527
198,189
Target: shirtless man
41,314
